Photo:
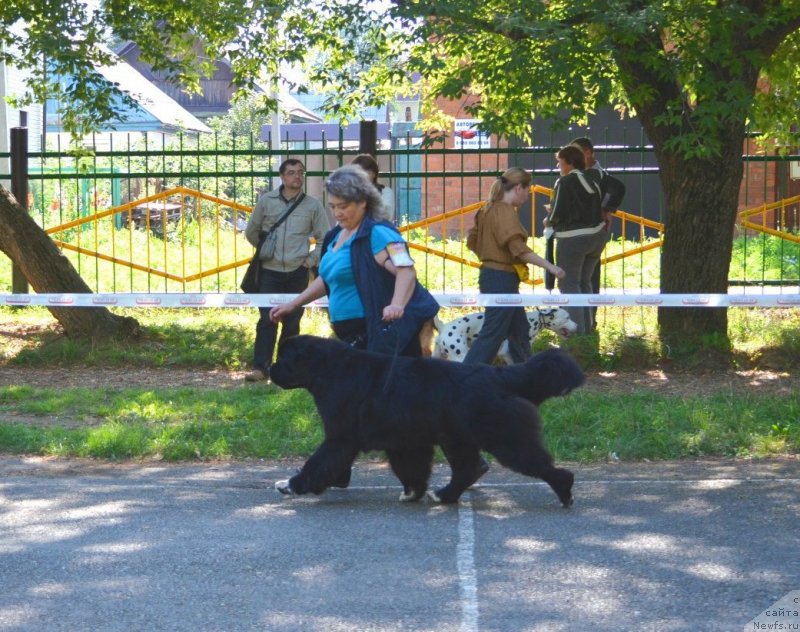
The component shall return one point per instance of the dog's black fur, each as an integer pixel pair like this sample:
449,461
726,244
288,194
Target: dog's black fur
405,406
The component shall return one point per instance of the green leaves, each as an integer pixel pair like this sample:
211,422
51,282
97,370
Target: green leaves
689,65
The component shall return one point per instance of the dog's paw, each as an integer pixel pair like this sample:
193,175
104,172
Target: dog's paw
562,483
445,495
343,482
433,497
284,487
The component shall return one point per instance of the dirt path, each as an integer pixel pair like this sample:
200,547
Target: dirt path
14,336
679,383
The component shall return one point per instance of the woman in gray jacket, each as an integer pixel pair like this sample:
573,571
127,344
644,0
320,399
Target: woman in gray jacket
577,220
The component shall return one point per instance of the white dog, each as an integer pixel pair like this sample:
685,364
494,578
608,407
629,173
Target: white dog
456,337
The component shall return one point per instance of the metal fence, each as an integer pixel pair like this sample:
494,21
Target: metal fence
167,215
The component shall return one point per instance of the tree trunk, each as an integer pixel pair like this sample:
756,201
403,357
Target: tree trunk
47,270
702,194
701,201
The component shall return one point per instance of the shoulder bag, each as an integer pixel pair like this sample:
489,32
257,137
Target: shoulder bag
270,241
265,250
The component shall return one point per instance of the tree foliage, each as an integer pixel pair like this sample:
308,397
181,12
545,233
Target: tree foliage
697,73
692,63
562,59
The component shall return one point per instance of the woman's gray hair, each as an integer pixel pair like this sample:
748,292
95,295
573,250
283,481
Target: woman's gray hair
353,184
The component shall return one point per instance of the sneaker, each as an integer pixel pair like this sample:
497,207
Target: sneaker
256,375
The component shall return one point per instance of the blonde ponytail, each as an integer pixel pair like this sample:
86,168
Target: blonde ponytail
510,178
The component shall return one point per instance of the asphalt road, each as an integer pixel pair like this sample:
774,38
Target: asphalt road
705,545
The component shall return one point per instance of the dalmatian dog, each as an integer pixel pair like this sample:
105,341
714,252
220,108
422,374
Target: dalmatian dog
456,337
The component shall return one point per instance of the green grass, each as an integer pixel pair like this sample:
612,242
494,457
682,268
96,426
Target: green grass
266,422
172,337
223,338
255,421
203,247
442,275
172,424
589,426
627,340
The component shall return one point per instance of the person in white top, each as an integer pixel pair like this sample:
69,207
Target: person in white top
370,165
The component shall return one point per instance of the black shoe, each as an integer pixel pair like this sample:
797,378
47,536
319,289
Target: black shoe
480,470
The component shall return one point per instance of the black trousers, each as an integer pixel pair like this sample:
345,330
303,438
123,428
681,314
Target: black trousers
272,282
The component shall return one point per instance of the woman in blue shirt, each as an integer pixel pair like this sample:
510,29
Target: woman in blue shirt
374,299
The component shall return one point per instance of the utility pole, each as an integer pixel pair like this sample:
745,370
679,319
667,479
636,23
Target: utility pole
19,187
368,138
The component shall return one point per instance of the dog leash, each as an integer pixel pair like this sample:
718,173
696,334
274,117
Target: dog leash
395,355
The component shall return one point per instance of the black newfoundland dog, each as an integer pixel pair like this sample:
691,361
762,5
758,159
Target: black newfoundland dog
405,406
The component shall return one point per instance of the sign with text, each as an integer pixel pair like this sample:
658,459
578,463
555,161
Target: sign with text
468,136
784,614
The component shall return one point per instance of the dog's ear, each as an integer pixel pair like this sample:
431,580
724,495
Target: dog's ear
551,373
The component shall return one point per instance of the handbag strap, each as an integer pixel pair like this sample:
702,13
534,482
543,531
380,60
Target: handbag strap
286,214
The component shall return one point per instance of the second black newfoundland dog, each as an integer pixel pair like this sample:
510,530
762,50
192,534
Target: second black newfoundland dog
405,406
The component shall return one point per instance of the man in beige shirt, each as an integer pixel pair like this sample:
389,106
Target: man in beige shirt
286,272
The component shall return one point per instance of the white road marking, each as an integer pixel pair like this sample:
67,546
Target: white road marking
711,482
465,557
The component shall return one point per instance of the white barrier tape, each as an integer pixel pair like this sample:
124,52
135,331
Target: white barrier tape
445,300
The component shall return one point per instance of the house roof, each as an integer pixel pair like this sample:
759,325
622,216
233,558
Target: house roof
150,98
296,111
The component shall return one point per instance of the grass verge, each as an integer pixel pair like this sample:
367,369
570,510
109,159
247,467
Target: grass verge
266,422
223,338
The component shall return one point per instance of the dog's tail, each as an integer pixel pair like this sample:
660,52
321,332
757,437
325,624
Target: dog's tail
426,338
550,373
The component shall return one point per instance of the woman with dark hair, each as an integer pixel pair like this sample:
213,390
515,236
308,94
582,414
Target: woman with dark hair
580,230
374,299
500,241
370,165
